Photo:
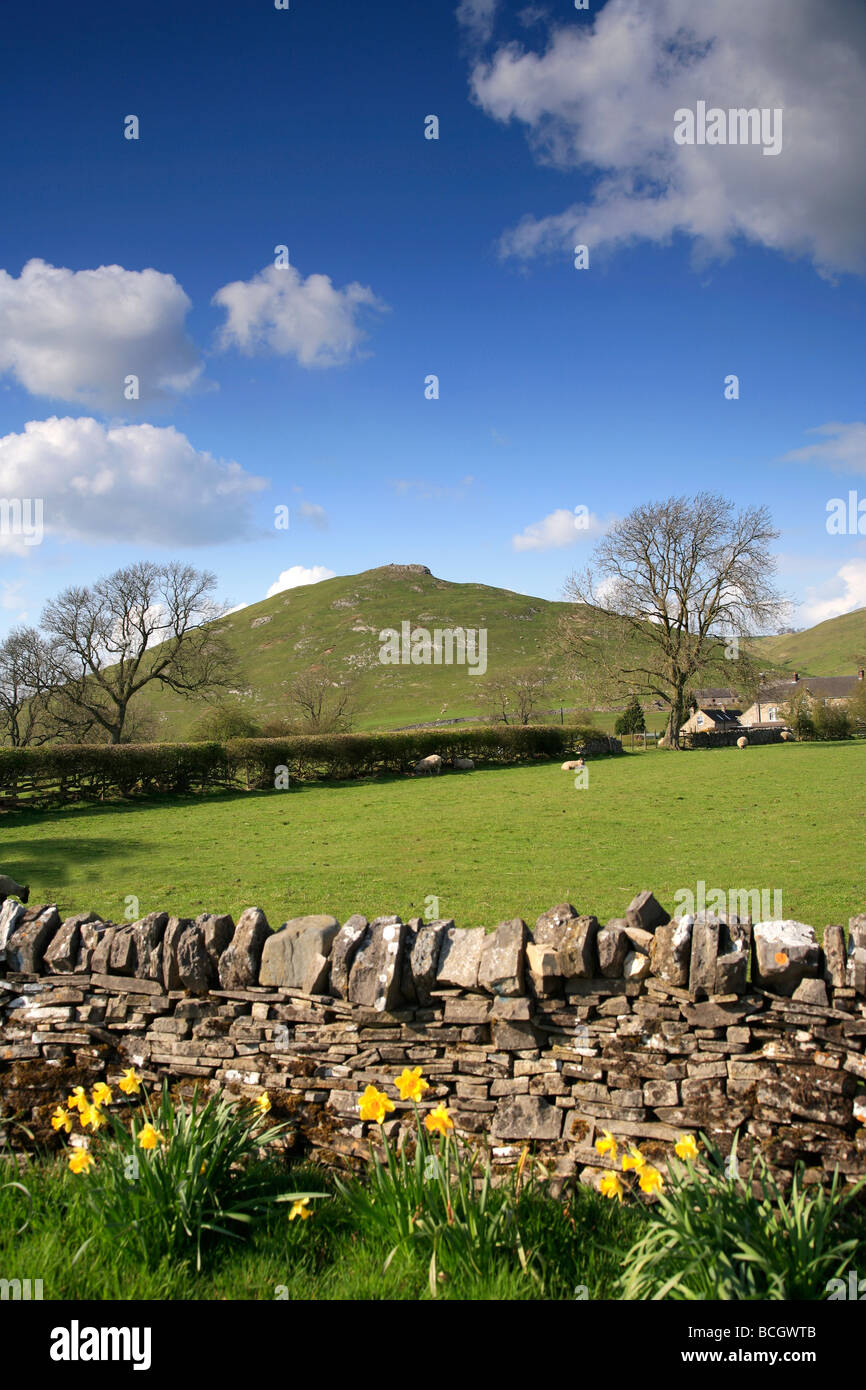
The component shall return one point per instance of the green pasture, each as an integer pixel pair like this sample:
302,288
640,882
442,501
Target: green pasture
487,844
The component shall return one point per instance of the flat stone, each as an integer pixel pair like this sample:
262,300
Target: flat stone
61,955
503,958
834,955
92,936
460,958
785,952
731,970
641,940
514,1036
613,946
29,938
343,950
671,952
424,957
147,935
547,927
636,966
121,959
519,1010
526,1117
475,1009
218,928
11,913
374,980
194,964
578,950
240,962
705,951
289,954
174,930
646,912
811,991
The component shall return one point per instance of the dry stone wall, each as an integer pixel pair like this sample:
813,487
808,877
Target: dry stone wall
644,1026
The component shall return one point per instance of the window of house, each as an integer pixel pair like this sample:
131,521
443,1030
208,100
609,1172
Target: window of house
772,712
699,720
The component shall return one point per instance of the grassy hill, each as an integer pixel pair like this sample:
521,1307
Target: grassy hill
834,648
336,624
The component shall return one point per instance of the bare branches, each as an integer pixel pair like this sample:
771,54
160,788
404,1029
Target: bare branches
673,590
143,623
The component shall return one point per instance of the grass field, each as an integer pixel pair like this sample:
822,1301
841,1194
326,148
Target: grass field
488,844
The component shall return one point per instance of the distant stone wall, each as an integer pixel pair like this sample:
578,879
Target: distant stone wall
646,1027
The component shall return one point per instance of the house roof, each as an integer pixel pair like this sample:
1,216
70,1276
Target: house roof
714,693
820,687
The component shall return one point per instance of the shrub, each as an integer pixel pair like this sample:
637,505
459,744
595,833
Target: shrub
434,1199
711,1237
178,1174
832,722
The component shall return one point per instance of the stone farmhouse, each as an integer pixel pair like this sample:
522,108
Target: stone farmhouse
767,708
718,708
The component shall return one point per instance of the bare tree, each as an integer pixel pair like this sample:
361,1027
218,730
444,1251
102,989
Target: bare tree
323,701
514,697
669,599
145,623
24,670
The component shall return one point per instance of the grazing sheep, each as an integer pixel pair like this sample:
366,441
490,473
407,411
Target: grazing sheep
428,765
787,736
742,742
9,888
466,764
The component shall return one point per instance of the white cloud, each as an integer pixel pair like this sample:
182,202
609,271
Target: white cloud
76,335
281,312
131,483
843,448
851,578
601,97
477,16
295,576
316,515
557,530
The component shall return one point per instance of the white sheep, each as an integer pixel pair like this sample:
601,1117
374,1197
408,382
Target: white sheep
573,766
427,766
742,742
10,889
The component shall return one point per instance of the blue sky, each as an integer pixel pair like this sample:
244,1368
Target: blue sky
304,386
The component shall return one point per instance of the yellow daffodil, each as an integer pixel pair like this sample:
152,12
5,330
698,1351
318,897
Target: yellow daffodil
78,1100
375,1105
686,1147
650,1179
93,1116
438,1121
607,1144
130,1082
61,1119
633,1159
101,1094
80,1161
150,1137
263,1104
299,1208
411,1084
611,1185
